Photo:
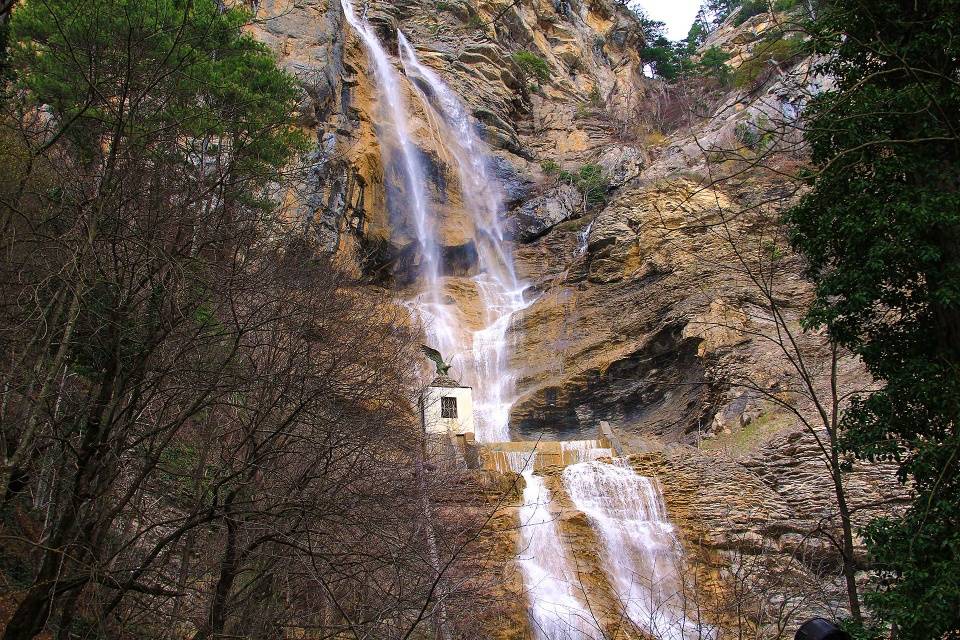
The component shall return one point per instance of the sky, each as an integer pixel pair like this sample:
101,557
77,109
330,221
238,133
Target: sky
677,14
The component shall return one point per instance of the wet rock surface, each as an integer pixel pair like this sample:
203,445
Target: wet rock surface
538,215
641,311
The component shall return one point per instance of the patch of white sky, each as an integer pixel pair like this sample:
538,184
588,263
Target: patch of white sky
678,15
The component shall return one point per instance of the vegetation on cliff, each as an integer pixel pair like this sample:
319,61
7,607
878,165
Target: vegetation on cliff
878,226
207,426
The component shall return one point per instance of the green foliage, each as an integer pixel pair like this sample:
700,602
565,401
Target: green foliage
216,80
698,32
658,51
532,65
750,436
596,100
750,8
550,167
780,51
720,10
671,60
785,5
590,181
713,64
880,229
755,135
864,630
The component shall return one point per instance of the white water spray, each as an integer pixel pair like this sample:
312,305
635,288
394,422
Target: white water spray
643,555
402,153
555,610
583,239
643,541
500,292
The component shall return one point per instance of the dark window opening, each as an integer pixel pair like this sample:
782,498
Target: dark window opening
550,396
448,407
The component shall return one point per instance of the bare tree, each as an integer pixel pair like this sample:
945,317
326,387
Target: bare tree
756,262
208,426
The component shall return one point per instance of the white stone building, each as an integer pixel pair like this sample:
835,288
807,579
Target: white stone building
447,408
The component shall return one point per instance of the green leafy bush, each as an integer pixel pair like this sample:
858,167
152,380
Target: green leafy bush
596,99
750,8
550,167
755,135
532,65
720,10
713,64
590,181
784,5
879,229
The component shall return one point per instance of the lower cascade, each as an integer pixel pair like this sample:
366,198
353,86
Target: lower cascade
555,597
688,275
642,555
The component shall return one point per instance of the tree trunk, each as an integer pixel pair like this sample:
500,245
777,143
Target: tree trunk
216,618
71,533
25,445
849,562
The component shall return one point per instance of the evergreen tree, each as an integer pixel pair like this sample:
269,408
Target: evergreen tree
699,30
881,230
658,51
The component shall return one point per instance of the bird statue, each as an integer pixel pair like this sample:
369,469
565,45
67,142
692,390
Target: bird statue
433,354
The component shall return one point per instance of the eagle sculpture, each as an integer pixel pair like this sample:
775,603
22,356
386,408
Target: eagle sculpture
433,354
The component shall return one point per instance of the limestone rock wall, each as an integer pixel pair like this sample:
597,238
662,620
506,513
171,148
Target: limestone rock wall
591,50
645,308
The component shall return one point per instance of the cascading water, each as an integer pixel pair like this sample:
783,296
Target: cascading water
403,156
555,611
643,557
584,451
624,507
501,294
583,239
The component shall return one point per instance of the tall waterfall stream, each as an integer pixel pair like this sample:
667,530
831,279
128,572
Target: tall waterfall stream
641,552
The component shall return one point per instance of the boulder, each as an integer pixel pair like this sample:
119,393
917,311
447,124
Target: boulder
621,163
538,215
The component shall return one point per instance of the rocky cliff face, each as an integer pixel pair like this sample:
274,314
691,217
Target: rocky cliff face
650,307
591,59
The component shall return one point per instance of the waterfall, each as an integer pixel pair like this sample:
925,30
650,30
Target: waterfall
624,508
583,239
555,610
487,367
402,154
642,554
584,451
556,613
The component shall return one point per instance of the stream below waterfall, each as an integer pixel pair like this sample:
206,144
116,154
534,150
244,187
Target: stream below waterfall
641,553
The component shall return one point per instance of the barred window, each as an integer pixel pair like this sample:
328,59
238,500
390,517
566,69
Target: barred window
448,407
